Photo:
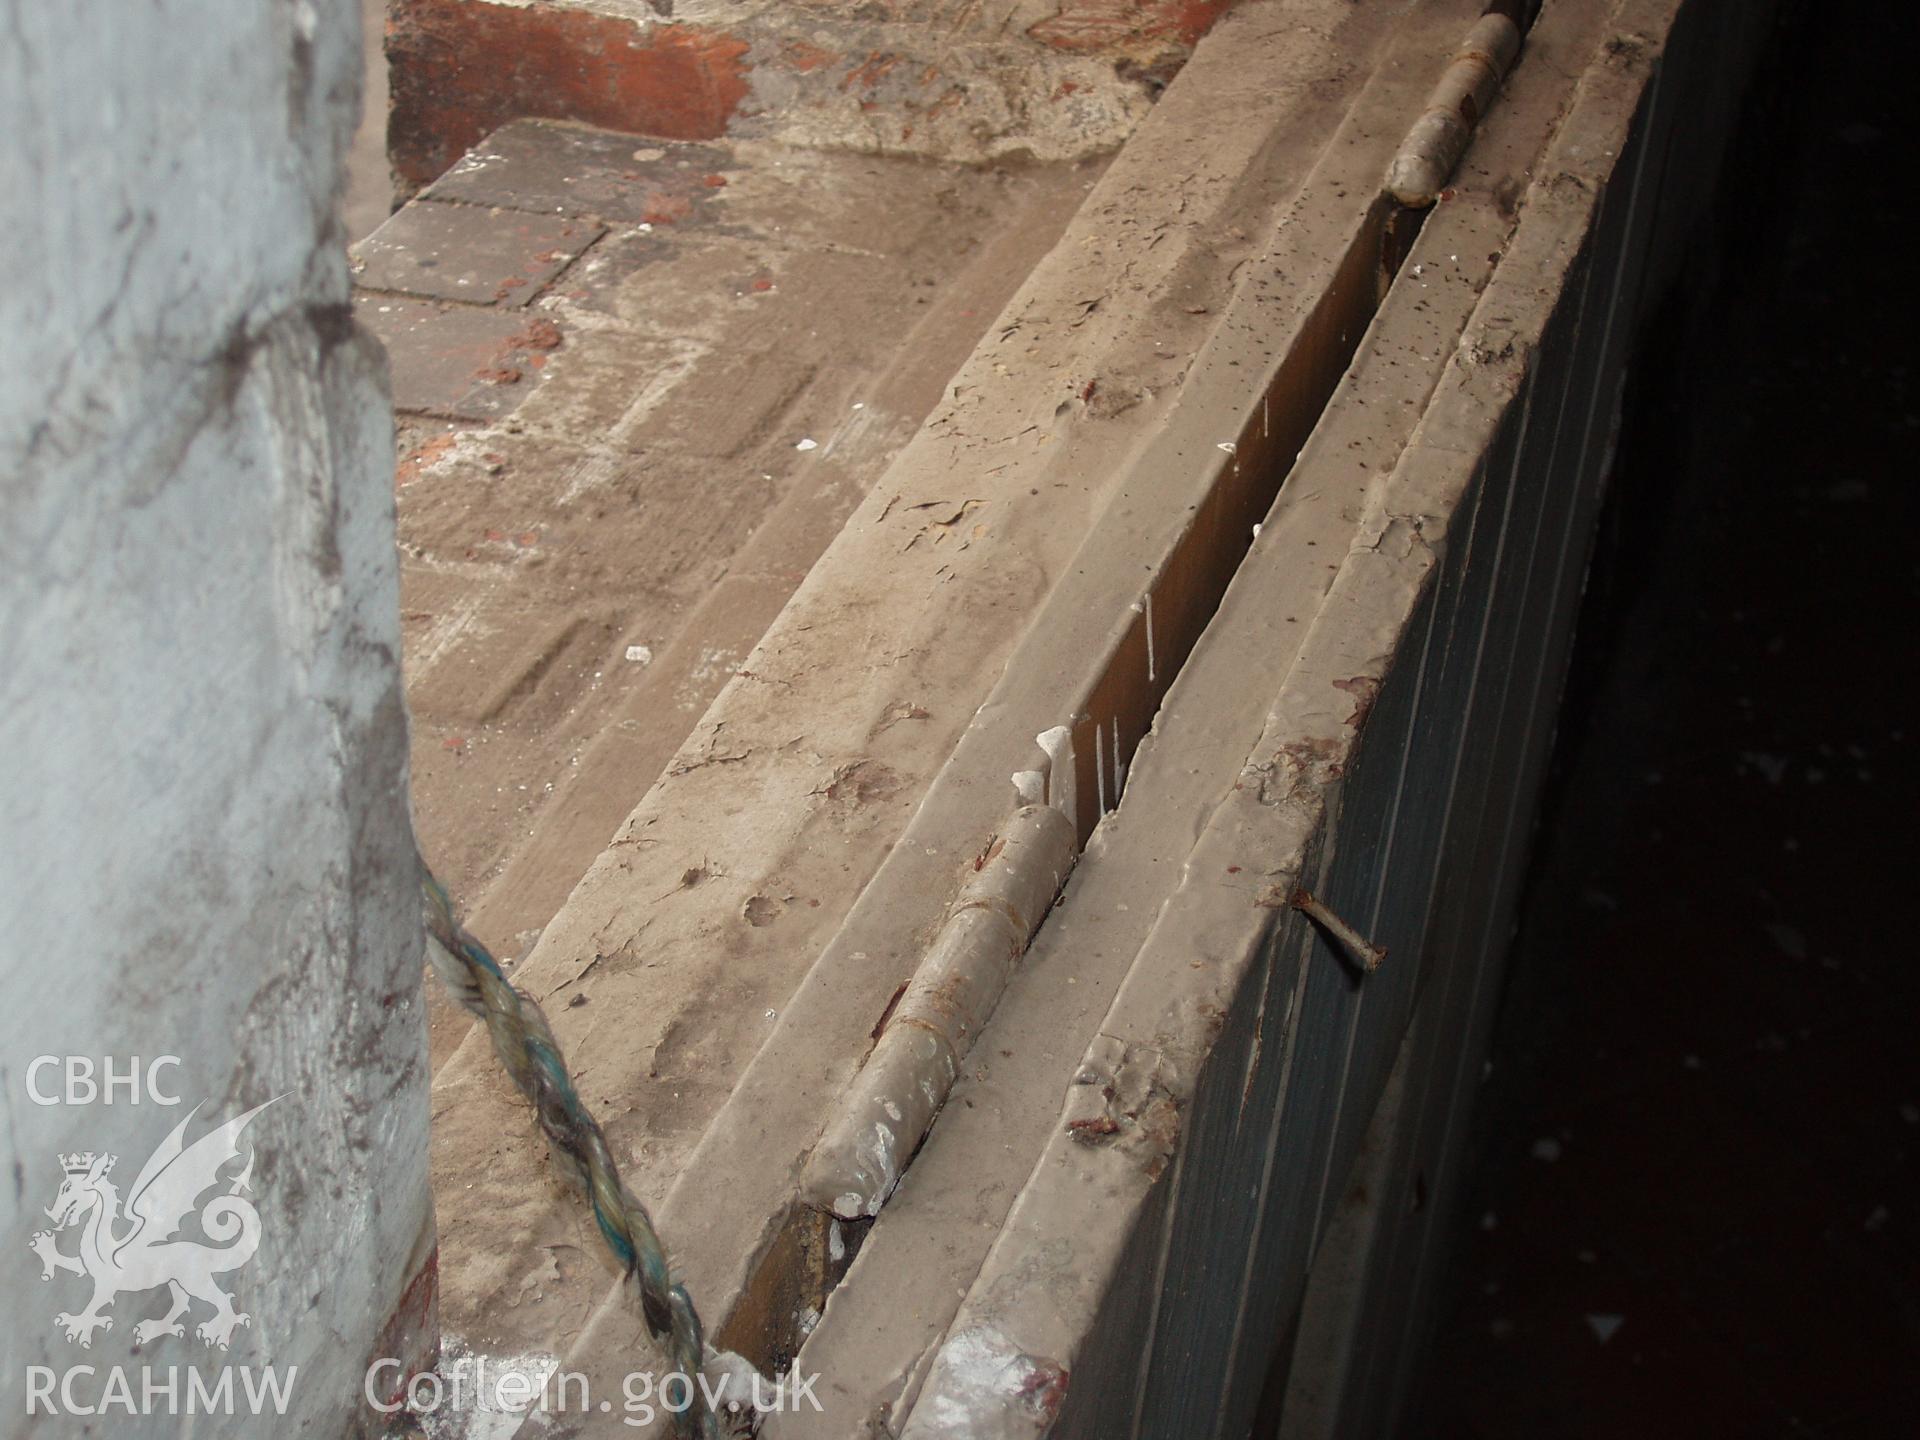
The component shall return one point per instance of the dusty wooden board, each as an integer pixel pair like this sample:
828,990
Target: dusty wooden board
1455,534
583,574
803,775
927,1245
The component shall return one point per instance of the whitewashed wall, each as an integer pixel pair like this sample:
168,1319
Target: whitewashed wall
205,849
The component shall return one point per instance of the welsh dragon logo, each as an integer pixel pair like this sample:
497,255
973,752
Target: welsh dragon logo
135,1249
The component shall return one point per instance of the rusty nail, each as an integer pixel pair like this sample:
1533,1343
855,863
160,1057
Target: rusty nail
1366,956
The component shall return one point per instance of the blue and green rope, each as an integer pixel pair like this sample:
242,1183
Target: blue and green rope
525,1043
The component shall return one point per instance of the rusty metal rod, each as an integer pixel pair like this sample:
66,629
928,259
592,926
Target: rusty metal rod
1358,948
892,1101
1438,139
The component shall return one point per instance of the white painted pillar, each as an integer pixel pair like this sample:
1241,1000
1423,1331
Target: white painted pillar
205,850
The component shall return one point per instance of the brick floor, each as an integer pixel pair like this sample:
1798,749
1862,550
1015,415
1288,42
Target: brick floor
640,385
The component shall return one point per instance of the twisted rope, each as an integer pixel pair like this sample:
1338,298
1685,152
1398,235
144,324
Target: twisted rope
525,1044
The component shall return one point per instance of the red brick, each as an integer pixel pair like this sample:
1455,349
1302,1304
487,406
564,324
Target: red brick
460,68
1085,26
805,57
